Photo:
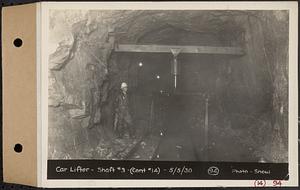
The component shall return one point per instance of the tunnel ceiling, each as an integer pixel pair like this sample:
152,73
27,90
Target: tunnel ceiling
132,26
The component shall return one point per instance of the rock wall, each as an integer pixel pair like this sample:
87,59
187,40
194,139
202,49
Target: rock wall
256,84
276,42
78,73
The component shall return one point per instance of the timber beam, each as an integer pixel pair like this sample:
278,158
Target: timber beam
183,49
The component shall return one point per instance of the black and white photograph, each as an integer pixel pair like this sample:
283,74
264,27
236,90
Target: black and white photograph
187,94
168,85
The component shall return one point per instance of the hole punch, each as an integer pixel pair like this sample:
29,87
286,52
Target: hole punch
18,148
18,42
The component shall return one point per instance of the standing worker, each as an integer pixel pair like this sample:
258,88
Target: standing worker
123,120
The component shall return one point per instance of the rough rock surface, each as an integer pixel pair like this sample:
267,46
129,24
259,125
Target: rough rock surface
85,73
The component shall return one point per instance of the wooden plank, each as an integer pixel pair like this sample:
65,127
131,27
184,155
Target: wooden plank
184,49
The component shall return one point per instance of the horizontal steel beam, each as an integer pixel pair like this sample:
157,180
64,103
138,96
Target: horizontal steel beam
183,49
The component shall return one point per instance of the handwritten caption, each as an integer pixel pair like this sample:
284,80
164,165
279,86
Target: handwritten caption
130,170
263,183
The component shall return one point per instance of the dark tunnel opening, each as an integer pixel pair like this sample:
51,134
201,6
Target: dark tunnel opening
191,111
178,113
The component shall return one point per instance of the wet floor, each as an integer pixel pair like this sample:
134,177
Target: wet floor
176,141
184,141
176,146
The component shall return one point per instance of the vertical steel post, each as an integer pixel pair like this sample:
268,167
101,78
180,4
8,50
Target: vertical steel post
175,72
151,115
206,128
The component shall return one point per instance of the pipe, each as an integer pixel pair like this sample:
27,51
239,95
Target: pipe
175,71
206,128
175,52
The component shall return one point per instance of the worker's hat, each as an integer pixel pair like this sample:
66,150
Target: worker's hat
123,85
